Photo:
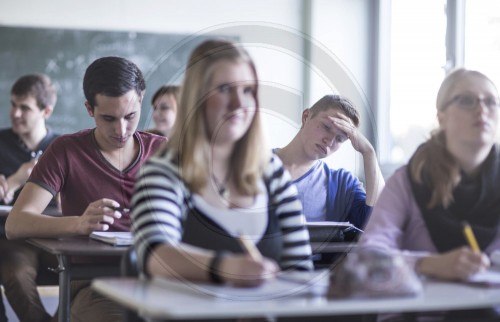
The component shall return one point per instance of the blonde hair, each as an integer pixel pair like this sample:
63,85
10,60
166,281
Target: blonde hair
189,142
432,158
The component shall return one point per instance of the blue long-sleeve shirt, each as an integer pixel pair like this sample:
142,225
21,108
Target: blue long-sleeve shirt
344,198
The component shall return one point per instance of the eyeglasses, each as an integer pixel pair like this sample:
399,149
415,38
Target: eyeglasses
469,102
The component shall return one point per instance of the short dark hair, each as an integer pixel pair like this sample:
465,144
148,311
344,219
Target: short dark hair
173,90
38,86
339,102
113,77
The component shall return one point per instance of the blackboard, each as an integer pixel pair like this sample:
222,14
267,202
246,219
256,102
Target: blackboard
64,54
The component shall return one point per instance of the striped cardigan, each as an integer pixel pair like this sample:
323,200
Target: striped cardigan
160,204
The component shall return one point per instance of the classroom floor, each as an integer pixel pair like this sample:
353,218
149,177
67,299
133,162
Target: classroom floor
50,298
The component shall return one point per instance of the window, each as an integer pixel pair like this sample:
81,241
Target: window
417,60
482,37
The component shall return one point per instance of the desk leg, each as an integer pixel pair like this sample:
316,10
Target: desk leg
64,287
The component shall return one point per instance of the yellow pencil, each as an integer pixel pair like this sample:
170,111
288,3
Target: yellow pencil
250,248
471,239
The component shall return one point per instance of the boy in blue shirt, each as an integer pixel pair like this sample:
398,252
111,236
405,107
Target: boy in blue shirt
332,194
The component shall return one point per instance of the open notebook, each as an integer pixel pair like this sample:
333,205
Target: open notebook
491,277
114,238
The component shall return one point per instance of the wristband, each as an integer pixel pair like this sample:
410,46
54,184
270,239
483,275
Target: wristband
213,268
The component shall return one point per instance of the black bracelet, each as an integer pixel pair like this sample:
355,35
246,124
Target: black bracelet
213,268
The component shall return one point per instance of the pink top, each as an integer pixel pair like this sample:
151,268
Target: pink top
396,222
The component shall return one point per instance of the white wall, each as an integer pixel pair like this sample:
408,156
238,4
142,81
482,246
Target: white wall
342,33
271,29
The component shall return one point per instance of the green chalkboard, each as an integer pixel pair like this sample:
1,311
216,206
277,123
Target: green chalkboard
64,55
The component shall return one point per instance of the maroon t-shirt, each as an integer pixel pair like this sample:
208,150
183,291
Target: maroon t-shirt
74,166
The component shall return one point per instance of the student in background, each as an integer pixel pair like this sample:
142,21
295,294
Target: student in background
214,181
33,98
94,170
451,178
328,194
164,104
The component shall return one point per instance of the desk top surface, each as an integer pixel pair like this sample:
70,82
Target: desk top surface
184,301
76,246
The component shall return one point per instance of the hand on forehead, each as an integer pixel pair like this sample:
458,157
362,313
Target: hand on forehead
335,114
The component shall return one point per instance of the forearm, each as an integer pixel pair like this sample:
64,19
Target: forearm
373,177
25,224
26,218
459,263
424,266
182,260
18,179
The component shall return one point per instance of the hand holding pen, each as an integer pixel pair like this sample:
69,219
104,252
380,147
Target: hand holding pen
253,251
250,248
474,245
11,184
4,189
456,264
471,238
247,270
99,216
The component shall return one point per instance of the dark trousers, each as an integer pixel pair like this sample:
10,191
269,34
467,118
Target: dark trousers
88,305
19,267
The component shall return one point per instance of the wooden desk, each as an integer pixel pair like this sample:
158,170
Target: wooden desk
185,301
64,249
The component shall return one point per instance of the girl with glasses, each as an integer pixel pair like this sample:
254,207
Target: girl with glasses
452,179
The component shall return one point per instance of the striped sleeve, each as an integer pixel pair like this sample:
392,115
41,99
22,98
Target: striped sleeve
297,252
157,208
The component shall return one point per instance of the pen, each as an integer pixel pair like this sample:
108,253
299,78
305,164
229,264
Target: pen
36,155
121,209
471,239
250,248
